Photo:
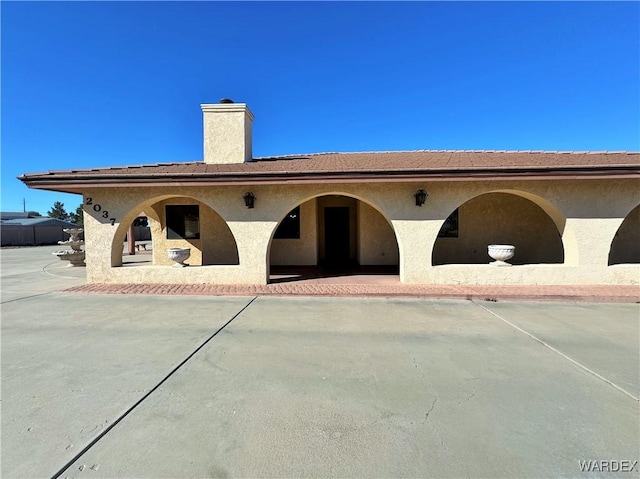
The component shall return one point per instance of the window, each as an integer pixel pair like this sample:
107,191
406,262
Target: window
290,226
183,221
450,227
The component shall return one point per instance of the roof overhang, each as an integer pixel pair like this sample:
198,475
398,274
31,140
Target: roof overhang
77,183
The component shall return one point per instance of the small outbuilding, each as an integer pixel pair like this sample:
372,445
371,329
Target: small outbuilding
20,229
429,216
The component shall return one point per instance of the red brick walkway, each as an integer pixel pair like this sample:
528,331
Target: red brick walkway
621,294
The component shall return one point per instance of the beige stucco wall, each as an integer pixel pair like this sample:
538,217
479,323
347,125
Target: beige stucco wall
501,218
219,245
587,214
159,235
625,247
301,251
216,244
377,241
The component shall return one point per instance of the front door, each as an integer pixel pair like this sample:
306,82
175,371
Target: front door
336,235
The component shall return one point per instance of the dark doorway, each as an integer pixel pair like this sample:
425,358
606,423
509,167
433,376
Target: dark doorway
336,235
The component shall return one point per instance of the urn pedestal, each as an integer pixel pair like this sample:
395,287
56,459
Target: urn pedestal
179,255
501,253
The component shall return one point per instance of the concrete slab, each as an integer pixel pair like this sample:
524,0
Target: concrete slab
34,271
376,388
602,337
71,365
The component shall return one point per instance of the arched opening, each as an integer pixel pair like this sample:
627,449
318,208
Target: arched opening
139,251
625,247
333,235
178,221
499,218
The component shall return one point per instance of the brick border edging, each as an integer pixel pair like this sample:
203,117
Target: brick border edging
595,293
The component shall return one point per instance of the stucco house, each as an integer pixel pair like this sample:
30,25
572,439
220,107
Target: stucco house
574,218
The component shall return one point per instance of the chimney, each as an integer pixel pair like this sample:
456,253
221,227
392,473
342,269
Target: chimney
227,132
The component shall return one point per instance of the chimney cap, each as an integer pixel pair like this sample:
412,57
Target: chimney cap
226,100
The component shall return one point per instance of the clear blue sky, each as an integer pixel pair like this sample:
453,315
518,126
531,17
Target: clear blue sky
90,84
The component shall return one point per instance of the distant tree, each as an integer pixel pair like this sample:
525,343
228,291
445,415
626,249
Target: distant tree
77,216
58,211
33,214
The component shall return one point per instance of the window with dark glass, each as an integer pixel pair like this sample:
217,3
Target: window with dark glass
450,227
289,228
183,221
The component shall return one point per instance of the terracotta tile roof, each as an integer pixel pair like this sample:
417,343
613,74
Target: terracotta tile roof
378,165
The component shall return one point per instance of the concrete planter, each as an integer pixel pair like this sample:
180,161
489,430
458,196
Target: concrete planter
501,253
179,255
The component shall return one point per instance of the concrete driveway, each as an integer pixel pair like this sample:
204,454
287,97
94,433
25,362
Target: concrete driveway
168,386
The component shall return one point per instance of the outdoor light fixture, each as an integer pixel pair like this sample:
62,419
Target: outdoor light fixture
421,197
249,199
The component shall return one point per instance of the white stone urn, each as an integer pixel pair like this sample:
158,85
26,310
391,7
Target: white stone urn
501,253
179,255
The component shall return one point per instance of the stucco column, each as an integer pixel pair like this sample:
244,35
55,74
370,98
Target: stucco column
99,253
107,216
415,242
252,239
593,237
131,241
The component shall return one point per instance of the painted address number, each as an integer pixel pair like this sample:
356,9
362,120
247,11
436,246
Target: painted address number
98,208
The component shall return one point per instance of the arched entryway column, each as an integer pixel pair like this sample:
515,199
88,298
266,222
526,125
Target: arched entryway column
416,237
177,219
108,213
594,236
332,233
181,221
501,217
625,247
252,238
417,228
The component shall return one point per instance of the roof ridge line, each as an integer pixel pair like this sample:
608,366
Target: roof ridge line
557,152
145,165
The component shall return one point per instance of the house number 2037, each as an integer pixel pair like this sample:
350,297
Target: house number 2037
97,207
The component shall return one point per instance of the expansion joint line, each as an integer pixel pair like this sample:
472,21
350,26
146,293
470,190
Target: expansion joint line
27,297
560,353
155,388
44,269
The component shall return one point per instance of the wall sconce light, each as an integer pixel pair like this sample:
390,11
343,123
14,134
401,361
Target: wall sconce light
421,196
249,199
